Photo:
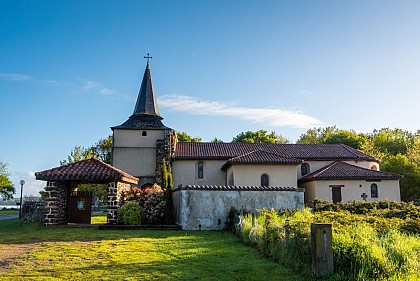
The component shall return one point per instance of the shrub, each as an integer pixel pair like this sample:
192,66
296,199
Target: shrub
154,205
130,213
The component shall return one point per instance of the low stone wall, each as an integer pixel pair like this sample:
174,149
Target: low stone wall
33,211
206,207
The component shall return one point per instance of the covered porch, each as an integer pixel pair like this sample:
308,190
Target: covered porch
63,204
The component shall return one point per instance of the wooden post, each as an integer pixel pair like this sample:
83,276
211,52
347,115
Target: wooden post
322,253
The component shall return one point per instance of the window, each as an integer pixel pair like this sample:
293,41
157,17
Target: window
200,170
374,190
144,133
304,169
265,180
374,168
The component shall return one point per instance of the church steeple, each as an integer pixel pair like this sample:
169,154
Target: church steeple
146,113
146,100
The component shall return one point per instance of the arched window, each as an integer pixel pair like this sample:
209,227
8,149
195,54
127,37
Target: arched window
144,133
200,170
374,190
374,167
304,169
265,181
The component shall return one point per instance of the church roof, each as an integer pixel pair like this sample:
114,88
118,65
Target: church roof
90,170
146,113
226,151
343,171
260,157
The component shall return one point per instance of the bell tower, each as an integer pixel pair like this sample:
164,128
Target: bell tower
141,142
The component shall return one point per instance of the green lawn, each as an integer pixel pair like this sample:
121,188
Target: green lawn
8,212
34,252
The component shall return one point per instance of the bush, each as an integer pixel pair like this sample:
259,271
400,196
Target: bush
130,213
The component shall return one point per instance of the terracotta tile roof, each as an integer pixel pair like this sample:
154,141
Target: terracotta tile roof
260,157
221,151
237,188
343,171
90,170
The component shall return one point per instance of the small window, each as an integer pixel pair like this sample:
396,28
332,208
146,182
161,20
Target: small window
200,170
265,180
304,169
374,190
144,133
374,167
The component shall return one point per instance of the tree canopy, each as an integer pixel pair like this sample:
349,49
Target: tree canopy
6,186
184,137
101,150
260,136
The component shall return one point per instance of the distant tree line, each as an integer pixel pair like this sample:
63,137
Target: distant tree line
398,150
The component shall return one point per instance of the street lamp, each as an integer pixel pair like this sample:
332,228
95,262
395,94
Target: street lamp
22,182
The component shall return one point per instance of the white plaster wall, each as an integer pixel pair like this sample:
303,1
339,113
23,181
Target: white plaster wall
279,175
352,190
139,162
185,172
134,138
207,209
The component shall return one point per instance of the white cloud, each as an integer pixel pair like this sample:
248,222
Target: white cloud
271,116
15,77
106,91
90,85
31,186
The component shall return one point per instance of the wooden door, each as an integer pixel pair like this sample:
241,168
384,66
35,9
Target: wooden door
80,207
336,193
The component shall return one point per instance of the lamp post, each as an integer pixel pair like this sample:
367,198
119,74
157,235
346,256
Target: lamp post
22,182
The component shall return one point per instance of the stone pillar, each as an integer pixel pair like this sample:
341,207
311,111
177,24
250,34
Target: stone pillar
164,149
55,203
112,203
322,253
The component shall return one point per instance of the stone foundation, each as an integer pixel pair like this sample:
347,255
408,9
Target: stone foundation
33,211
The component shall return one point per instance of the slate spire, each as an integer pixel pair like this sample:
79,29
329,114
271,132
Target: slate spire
146,100
146,113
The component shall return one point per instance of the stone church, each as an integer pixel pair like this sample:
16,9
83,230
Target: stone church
209,178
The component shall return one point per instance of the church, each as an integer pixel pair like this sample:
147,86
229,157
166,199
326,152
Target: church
209,178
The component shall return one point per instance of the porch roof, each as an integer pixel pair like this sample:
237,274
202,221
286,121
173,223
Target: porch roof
90,170
343,171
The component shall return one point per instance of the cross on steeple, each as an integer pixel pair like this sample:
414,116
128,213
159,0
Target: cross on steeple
148,56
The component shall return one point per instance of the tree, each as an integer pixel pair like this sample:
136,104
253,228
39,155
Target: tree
260,136
166,183
393,142
101,150
216,140
6,186
317,135
410,183
184,137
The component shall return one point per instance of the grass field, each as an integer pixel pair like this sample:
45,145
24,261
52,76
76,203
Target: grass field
34,252
8,212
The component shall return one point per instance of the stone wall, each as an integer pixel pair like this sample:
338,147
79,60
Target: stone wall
206,207
115,190
33,211
164,149
55,203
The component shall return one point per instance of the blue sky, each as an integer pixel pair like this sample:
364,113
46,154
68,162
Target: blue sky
69,70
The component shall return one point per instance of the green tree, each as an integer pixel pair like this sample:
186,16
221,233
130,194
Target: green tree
166,183
260,136
216,140
184,137
6,186
317,135
393,142
410,183
101,150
